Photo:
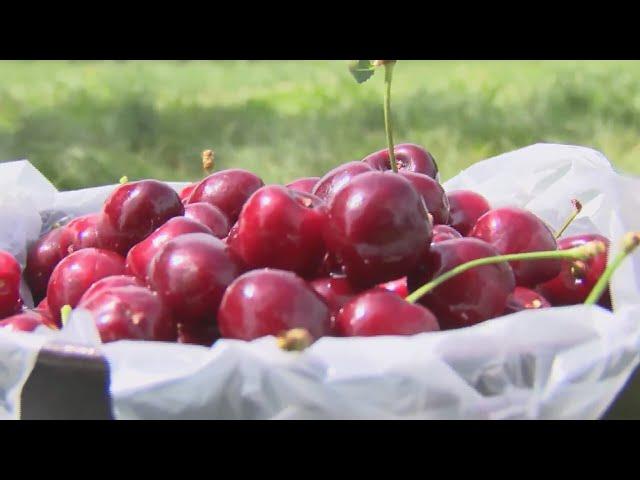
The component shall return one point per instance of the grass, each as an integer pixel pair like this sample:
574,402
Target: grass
88,123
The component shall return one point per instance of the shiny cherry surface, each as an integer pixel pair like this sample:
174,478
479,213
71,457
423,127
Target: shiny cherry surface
444,232
399,287
409,157
26,321
337,178
336,291
210,216
523,299
465,207
433,195
10,275
304,185
42,258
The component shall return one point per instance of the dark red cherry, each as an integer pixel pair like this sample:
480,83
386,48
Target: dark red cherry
210,216
576,279
523,299
73,276
10,274
515,230
304,185
329,267
140,256
43,309
377,228
281,228
191,273
409,157
465,207
136,209
42,258
129,312
383,313
399,287
228,190
268,302
204,335
337,178
336,291
433,195
444,232
185,193
108,283
468,298
26,321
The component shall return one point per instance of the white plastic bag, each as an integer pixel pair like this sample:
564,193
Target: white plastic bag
559,363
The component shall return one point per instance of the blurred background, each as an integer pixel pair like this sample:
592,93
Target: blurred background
89,123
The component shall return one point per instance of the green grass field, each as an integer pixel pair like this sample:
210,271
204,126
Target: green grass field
89,123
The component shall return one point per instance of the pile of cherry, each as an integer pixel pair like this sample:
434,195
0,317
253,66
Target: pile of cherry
229,257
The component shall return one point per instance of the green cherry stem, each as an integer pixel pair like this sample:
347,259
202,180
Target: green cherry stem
582,252
65,313
388,124
577,208
629,243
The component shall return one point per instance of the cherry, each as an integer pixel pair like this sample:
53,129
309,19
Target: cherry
129,312
91,231
468,298
26,321
409,157
204,335
42,258
10,274
399,287
140,256
576,279
210,216
523,298
330,266
73,276
304,185
337,178
228,190
185,193
43,309
383,313
336,291
281,228
433,195
444,232
191,273
111,282
377,228
268,302
134,210
515,230
465,207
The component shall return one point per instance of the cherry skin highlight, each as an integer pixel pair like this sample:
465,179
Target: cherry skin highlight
465,207
523,299
470,297
409,157
433,195
26,321
336,291
42,258
399,287
337,178
377,228
515,230
111,282
210,216
304,185
383,313
10,275
444,232
281,228
185,193
268,302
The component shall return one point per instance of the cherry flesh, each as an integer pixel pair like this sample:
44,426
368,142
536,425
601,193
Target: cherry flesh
470,297
444,232
210,216
377,228
515,230
465,207
281,228
337,178
523,299
228,190
433,195
268,302
42,258
304,185
10,275
409,157
383,313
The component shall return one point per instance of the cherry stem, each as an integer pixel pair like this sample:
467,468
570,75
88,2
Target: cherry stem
577,208
65,312
124,179
388,126
294,340
582,252
207,161
629,243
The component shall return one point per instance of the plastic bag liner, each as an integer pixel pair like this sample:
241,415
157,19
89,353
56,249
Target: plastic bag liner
557,363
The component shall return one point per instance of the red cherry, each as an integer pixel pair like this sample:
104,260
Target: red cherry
43,309
210,216
336,291
468,298
304,185
433,195
140,256
91,231
337,178
523,298
281,228
109,283
191,273
204,335
26,321
383,313
42,258
409,157
10,273
76,273
377,228
515,230
129,312
185,193
329,266
228,190
444,232
268,302
465,207
399,287
576,279
134,210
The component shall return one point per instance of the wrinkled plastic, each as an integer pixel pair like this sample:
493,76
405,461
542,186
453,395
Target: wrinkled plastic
559,363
